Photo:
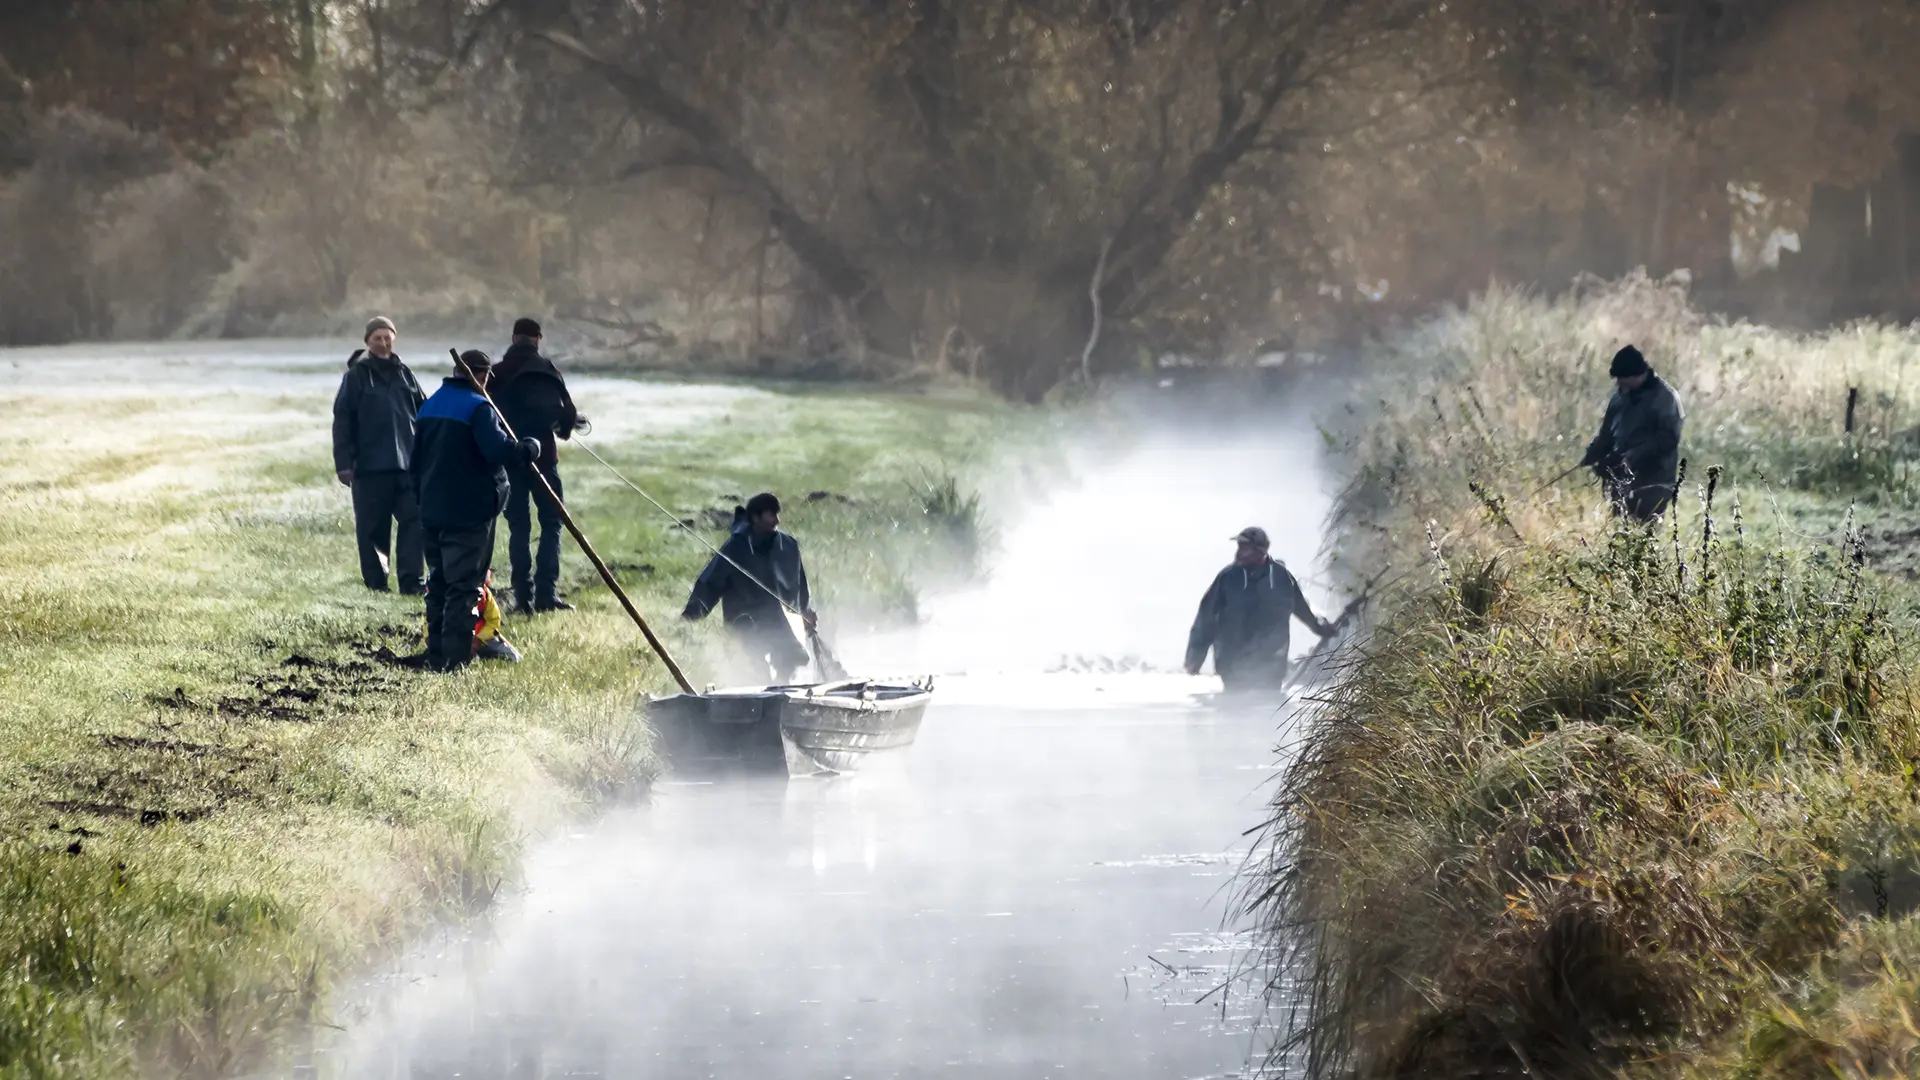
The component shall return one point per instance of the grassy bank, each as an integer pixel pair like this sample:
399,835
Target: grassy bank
218,793
1598,802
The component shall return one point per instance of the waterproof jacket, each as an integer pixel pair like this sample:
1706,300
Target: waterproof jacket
373,415
460,458
773,559
533,395
1245,615
1638,447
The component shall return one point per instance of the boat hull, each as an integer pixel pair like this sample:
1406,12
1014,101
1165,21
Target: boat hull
805,730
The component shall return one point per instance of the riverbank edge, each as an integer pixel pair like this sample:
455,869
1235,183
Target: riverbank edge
1527,831
166,941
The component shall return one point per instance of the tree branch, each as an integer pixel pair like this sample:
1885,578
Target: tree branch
835,269
1093,294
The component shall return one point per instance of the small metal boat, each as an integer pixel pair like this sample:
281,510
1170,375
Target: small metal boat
807,729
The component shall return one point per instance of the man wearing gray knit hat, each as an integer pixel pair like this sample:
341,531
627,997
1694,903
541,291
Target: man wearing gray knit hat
373,426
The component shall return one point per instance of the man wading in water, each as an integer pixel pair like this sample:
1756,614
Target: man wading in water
1244,618
756,618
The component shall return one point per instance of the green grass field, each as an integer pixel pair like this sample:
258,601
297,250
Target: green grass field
219,796
1596,801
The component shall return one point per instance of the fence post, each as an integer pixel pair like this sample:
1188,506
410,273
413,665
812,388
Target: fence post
1853,396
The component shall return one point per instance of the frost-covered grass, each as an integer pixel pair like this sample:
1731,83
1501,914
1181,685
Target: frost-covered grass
1596,801
217,795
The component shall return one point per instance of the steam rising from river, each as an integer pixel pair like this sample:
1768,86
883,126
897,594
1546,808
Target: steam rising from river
1036,888
1105,573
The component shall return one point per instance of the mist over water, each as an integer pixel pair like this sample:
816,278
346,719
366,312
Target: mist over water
1106,572
1040,886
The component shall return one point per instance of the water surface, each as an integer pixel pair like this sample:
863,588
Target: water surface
1033,891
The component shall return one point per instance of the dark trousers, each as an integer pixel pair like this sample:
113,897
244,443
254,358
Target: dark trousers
1642,503
457,562
1253,675
768,642
382,501
534,578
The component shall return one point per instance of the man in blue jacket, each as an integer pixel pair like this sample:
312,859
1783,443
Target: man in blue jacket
460,459
758,569
372,454
1245,618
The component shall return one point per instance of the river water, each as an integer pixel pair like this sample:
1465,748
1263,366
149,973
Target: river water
1033,890
1040,887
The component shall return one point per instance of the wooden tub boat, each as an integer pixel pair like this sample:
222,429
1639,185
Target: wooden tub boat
806,729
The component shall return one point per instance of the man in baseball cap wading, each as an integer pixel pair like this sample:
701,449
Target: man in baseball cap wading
1245,618
373,417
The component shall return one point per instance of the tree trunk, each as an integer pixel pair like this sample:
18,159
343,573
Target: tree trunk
307,12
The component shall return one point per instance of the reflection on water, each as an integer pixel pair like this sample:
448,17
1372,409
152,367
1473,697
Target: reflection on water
1028,893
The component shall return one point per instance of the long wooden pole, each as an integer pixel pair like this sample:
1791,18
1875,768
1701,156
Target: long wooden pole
579,537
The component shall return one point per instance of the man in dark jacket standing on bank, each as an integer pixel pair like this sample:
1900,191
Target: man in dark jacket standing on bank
1636,455
1245,618
757,571
532,394
461,455
372,453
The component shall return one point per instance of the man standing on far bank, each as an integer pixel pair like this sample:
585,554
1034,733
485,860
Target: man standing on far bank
373,418
1636,455
533,395
461,455
1245,618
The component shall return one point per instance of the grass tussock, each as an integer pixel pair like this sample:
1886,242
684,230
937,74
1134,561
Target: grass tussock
218,792
1598,801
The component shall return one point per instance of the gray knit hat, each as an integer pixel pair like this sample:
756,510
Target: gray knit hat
378,322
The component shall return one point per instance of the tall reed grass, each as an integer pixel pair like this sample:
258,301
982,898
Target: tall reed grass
1593,799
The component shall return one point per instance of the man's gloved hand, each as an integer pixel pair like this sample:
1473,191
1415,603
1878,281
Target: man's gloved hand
530,447
345,476
811,619
580,422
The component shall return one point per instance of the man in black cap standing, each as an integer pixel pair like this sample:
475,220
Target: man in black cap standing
1636,455
1245,618
533,395
461,455
373,417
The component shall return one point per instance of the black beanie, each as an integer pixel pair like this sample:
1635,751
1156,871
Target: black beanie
474,362
1627,363
525,328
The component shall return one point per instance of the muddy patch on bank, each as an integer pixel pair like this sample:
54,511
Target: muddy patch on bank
204,753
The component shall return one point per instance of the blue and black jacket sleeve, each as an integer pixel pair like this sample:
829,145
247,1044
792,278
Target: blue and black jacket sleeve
495,444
